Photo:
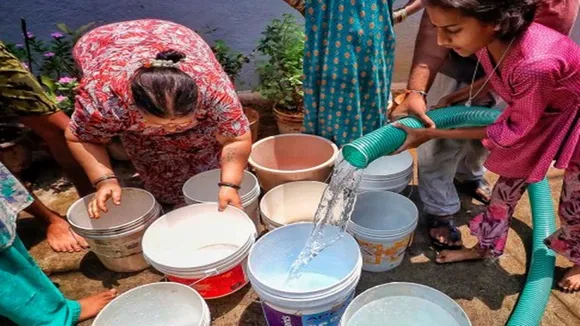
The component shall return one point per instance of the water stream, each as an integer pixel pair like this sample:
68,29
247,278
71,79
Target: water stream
335,209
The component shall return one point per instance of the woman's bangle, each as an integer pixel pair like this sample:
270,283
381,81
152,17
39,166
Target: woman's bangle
227,184
103,178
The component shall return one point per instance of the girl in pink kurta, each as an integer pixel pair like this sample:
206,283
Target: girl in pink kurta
158,86
536,70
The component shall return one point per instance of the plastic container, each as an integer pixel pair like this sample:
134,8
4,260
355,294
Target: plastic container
326,285
203,188
291,202
292,157
404,304
383,224
156,304
198,246
116,236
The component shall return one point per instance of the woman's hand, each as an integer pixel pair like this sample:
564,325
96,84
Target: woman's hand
229,196
415,137
105,190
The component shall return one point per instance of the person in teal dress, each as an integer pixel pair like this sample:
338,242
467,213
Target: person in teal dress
348,65
27,295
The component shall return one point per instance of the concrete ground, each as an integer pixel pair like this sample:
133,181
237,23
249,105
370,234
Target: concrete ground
488,291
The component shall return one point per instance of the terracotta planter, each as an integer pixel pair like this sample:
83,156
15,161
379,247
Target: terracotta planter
117,150
288,123
254,118
15,152
292,157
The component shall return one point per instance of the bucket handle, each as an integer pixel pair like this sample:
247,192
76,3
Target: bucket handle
210,273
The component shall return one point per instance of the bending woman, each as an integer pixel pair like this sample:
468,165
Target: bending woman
158,86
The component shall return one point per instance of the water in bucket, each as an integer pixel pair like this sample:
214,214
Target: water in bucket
335,208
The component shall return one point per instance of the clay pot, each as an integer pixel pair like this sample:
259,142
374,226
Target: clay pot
117,150
292,157
254,119
288,123
15,152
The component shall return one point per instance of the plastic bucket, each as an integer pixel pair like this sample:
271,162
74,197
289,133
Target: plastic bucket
292,157
326,285
198,246
156,304
383,223
116,236
404,304
290,203
203,188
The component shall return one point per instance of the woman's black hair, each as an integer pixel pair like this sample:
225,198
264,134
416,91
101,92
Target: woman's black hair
511,16
164,91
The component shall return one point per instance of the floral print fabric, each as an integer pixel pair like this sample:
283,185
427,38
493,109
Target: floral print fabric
108,56
492,226
13,199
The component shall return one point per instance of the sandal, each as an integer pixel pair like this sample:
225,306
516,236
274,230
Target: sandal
454,235
470,188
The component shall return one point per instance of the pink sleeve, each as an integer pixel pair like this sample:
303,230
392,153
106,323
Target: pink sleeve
94,119
222,101
531,85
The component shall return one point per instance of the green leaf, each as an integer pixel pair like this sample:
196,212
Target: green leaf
63,28
49,83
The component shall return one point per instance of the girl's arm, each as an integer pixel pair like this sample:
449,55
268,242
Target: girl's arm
416,137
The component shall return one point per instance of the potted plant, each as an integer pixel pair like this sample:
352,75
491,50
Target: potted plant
281,74
232,63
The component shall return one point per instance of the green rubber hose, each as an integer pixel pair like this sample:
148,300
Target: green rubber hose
534,297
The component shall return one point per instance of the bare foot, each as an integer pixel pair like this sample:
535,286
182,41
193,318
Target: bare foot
92,305
454,256
571,280
443,232
62,239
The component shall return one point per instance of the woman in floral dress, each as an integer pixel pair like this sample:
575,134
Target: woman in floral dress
27,295
158,86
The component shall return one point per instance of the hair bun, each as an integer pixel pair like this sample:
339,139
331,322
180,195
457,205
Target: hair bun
170,55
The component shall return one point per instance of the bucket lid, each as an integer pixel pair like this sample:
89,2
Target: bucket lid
197,236
136,205
203,188
389,165
384,212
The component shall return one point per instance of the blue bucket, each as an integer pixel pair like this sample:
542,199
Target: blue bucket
325,288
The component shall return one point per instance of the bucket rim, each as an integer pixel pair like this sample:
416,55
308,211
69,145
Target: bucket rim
362,231
343,322
329,162
270,193
117,233
302,224
220,266
203,305
251,227
81,200
253,192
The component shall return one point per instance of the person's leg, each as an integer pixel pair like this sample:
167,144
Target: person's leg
566,240
59,235
51,128
470,171
28,297
437,162
492,226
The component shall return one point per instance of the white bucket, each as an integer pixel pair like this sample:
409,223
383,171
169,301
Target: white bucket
383,223
197,245
325,288
404,304
116,236
291,203
203,188
156,304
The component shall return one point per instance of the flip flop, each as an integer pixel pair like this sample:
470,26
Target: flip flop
470,187
435,222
